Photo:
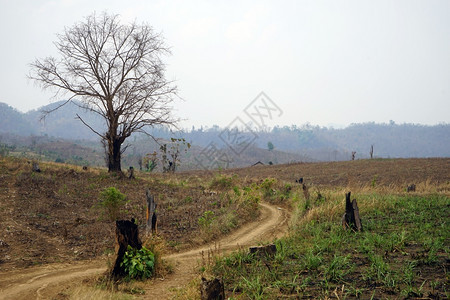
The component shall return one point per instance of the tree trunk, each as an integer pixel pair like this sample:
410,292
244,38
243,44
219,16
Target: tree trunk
114,155
127,234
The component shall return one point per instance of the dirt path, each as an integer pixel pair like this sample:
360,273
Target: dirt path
46,282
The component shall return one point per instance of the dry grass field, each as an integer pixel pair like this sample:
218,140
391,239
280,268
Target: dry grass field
54,217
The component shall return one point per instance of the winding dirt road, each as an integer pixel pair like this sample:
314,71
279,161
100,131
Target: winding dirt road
46,282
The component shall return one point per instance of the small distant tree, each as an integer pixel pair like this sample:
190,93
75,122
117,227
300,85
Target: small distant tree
270,146
116,71
112,202
170,153
150,161
371,151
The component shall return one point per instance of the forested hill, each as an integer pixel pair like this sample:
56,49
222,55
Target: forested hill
315,142
322,143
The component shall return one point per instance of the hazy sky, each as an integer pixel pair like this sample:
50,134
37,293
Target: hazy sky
322,62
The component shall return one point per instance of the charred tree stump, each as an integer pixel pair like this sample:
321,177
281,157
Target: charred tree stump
305,191
353,155
268,250
127,233
212,289
371,151
131,173
151,213
351,217
35,167
411,188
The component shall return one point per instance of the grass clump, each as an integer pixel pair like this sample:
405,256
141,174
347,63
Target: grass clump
222,182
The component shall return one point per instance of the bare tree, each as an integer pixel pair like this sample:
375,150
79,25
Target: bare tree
115,71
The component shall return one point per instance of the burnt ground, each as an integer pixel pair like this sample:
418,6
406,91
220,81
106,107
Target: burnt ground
53,216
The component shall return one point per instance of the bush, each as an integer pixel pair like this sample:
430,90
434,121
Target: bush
112,202
222,182
206,219
138,264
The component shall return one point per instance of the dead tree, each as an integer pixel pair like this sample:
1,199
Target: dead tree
127,234
371,151
115,69
212,289
351,217
353,155
151,213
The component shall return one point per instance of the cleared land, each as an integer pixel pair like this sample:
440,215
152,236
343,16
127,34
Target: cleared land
51,217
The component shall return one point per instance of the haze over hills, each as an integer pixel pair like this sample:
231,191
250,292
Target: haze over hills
293,143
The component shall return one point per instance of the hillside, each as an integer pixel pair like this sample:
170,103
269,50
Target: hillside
14,122
304,143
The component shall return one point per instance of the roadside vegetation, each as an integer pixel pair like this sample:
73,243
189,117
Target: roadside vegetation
403,251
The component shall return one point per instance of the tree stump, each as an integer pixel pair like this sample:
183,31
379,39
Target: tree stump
305,191
35,167
212,289
351,217
131,173
268,250
127,233
300,180
151,213
411,188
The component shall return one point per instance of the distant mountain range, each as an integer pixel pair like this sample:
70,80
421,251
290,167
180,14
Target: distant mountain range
60,123
291,143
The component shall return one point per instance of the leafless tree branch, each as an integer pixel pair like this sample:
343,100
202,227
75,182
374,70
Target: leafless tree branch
116,71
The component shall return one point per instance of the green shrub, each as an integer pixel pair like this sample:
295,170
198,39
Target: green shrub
267,187
112,202
222,182
138,264
206,219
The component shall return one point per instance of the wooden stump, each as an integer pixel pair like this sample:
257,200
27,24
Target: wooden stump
305,191
300,180
411,188
351,217
127,233
212,289
268,250
35,167
151,213
131,173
